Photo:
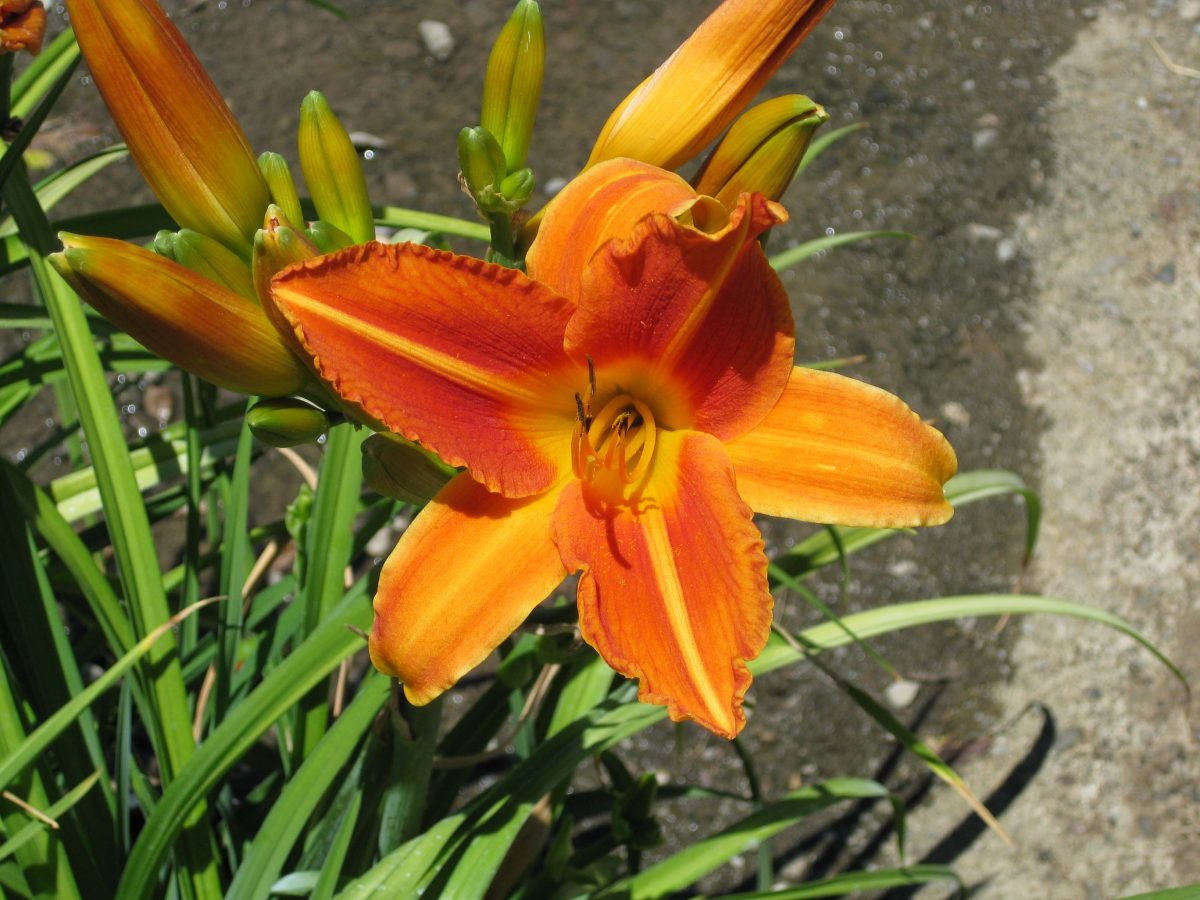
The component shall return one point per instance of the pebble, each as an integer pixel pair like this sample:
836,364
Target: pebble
554,185
901,694
1006,250
955,412
977,231
984,138
1166,274
1189,10
438,40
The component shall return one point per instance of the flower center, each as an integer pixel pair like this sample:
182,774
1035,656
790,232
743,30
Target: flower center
616,445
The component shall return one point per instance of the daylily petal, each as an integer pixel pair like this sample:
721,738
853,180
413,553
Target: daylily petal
695,324
465,574
458,354
603,203
180,133
674,592
707,81
838,451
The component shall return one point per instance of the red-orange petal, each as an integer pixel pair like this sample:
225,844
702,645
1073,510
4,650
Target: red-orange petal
674,592
697,325
603,203
457,354
838,451
466,573
690,99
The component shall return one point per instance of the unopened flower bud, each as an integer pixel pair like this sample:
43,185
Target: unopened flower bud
481,161
328,238
286,423
762,150
213,260
401,470
513,84
190,320
517,188
179,130
278,174
277,245
333,170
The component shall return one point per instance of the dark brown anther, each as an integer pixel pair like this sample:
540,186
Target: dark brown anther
583,419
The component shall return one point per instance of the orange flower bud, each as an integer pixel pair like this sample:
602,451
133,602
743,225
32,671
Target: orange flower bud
195,323
707,81
178,128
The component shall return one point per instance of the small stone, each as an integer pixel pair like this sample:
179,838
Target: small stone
988,120
1166,274
364,140
903,568
1189,10
1006,250
977,231
955,412
984,138
438,40
901,694
554,185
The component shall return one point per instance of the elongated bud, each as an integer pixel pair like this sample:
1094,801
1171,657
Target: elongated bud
762,150
22,25
196,323
327,238
401,470
278,174
333,171
513,84
693,96
286,423
481,161
517,187
179,130
214,261
277,246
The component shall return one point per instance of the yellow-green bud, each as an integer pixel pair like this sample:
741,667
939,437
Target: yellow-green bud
327,238
333,171
401,470
277,245
281,184
164,244
762,150
513,84
286,423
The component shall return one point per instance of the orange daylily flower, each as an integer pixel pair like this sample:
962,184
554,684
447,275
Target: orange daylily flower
620,412
693,96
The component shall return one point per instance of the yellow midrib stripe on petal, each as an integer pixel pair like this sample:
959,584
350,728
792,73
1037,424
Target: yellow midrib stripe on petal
662,561
452,368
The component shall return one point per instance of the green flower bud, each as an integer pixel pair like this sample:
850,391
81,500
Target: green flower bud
517,188
281,184
164,244
481,161
513,84
401,470
333,171
286,423
327,237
